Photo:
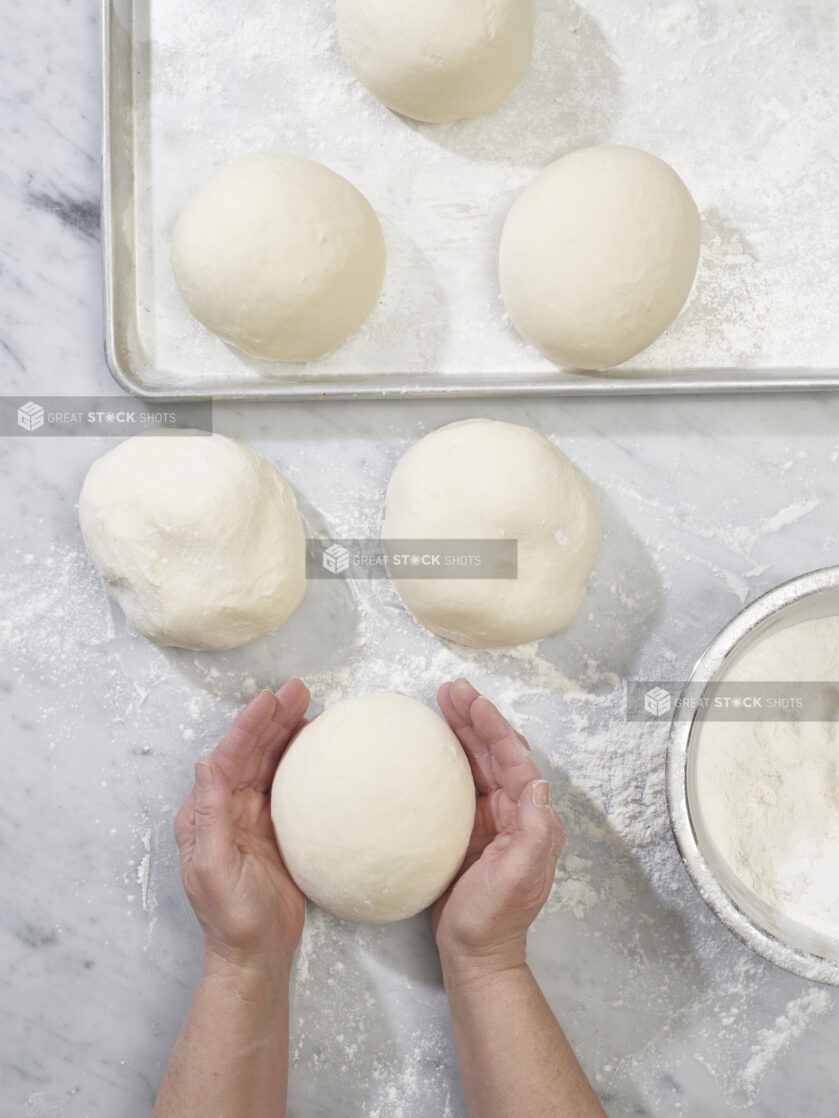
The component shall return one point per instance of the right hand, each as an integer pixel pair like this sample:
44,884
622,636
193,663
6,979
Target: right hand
249,908
481,921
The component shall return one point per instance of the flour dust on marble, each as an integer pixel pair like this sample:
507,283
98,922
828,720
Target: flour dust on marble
367,1002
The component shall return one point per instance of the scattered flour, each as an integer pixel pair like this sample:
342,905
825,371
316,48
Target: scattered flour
789,1026
275,79
790,515
623,917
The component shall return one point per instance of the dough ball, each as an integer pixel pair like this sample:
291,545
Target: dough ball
598,255
197,538
438,60
373,805
481,479
279,256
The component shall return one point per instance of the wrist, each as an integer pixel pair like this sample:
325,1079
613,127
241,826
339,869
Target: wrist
244,998
239,968
469,966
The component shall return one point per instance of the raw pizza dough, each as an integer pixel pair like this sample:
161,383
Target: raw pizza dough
598,255
279,256
483,479
373,805
197,537
438,60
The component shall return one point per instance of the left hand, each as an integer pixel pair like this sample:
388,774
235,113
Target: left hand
249,908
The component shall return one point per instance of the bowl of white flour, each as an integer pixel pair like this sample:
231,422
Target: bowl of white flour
753,776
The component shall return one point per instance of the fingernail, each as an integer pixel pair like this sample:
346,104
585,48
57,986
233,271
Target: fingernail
272,696
459,705
203,774
282,694
542,793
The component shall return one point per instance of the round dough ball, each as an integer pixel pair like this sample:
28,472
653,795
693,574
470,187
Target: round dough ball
373,805
197,537
598,255
481,479
279,256
438,60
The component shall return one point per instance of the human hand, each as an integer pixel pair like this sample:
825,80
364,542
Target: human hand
249,908
481,921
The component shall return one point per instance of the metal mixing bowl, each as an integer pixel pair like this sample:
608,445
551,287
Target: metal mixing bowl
781,941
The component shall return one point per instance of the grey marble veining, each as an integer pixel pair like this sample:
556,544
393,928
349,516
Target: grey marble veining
706,503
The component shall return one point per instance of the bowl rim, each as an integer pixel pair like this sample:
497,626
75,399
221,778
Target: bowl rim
767,607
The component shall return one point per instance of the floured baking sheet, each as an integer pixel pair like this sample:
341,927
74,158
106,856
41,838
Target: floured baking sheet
742,100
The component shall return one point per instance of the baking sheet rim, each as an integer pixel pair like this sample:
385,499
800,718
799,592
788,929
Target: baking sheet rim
416,385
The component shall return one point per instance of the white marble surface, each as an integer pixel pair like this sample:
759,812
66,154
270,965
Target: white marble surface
706,503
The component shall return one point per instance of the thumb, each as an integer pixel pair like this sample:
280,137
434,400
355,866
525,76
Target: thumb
215,840
538,838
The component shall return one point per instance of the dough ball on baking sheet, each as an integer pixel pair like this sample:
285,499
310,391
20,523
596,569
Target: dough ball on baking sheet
598,255
279,256
437,60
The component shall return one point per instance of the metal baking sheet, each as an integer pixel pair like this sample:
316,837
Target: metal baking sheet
741,100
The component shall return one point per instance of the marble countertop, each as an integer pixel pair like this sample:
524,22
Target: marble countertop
706,503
